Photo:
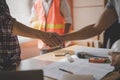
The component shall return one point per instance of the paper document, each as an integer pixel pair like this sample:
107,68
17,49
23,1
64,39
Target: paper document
93,51
79,66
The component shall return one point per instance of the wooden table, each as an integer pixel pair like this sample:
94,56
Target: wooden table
42,61
39,62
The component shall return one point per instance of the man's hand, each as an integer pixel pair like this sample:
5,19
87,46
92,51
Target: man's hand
115,58
115,61
52,39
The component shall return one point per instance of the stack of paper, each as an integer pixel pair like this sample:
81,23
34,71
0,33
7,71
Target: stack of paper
79,66
82,67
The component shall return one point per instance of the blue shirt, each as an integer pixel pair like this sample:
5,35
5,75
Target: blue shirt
9,46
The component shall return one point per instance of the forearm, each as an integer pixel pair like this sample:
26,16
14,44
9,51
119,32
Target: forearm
23,30
84,33
67,28
108,17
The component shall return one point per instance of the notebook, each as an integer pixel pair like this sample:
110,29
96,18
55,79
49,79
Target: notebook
22,75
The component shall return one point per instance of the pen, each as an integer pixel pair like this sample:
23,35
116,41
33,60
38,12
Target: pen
50,77
65,71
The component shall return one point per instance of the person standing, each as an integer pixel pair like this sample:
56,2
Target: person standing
110,14
51,16
9,46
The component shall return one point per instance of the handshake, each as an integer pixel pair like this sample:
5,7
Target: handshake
52,39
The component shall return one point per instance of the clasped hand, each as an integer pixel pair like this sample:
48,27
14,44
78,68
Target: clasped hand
115,59
52,39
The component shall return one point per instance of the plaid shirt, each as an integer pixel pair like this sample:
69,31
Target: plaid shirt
9,45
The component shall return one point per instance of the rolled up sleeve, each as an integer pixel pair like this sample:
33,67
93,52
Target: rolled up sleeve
65,10
110,4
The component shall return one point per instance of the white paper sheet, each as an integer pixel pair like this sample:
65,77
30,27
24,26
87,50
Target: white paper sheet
93,51
80,66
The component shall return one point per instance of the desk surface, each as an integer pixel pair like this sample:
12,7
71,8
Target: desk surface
42,61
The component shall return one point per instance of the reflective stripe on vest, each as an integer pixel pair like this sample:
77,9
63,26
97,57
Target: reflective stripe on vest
58,28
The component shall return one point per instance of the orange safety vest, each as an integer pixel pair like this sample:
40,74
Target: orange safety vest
53,22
